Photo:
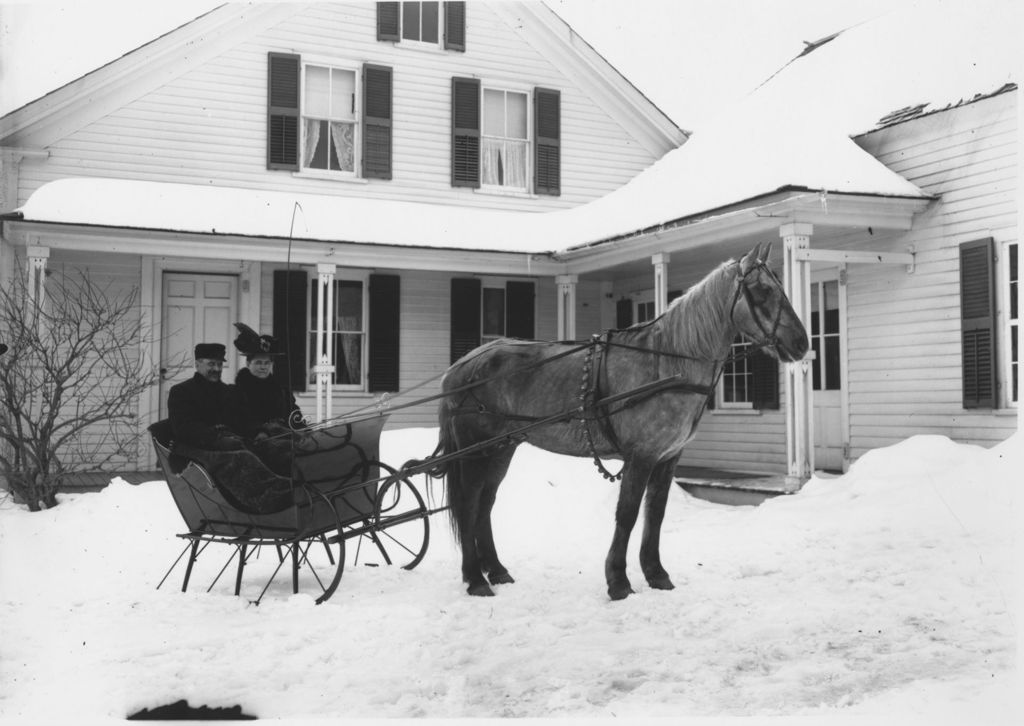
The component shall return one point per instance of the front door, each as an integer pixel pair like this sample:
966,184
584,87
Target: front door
196,309
827,328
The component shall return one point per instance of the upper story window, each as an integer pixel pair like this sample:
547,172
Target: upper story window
419,21
505,160
429,23
505,138
329,118
329,127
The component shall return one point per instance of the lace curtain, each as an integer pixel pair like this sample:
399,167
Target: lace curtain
342,144
504,163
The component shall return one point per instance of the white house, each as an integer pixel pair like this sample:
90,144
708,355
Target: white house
450,172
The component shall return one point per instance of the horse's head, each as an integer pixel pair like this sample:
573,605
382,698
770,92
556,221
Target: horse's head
761,310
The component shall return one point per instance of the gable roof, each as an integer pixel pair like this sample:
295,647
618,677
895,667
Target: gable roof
793,132
175,53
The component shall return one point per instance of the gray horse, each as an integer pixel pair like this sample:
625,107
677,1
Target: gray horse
635,394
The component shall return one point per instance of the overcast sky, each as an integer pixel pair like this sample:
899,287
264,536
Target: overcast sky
688,56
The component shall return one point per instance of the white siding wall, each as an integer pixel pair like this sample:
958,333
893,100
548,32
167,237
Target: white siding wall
424,343
904,330
208,125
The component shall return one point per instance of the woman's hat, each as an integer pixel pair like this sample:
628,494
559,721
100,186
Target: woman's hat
250,343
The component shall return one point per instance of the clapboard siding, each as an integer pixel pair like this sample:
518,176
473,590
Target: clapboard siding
904,329
208,125
425,310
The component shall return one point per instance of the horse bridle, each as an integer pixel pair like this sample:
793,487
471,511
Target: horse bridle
770,337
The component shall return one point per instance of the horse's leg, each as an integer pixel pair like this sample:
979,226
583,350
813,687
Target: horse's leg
654,513
464,489
489,562
634,479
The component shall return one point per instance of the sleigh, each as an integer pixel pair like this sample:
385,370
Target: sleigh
337,492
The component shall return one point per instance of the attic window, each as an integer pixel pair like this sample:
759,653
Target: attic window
419,21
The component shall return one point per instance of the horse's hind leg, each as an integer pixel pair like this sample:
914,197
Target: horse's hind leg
654,514
489,562
634,479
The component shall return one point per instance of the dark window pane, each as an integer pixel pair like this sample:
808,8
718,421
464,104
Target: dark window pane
816,364
320,154
832,363
814,323
494,311
411,21
430,22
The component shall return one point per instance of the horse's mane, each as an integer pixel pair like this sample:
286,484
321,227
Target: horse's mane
694,322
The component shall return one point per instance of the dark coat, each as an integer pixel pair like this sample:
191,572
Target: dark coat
199,413
255,402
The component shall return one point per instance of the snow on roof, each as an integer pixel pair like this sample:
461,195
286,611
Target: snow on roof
793,131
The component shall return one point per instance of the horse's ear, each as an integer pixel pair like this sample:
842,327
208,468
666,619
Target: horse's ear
749,260
765,252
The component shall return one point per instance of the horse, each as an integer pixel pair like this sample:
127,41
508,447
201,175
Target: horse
634,394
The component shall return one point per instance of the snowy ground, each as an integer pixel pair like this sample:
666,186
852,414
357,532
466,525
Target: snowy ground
887,595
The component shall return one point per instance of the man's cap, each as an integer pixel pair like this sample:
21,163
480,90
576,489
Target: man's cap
212,351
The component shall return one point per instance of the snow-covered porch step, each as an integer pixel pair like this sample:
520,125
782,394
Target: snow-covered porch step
731,487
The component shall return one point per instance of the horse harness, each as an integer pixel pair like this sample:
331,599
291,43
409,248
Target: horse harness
594,407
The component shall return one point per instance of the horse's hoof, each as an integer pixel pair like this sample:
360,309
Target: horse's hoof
500,578
661,583
619,592
481,590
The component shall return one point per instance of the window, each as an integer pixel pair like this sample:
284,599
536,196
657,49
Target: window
506,139
329,119
492,313
343,125
346,335
825,335
419,21
737,389
505,147
1010,316
484,310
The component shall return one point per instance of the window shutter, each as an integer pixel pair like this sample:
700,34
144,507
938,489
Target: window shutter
465,316
376,122
455,26
466,132
977,323
519,310
547,148
765,380
385,331
623,313
387,21
283,81
289,325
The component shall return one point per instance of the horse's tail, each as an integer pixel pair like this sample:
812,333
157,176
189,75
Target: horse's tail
448,468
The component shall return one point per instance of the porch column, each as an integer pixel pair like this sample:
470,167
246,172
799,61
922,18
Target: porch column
324,355
799,402
660,262
567,306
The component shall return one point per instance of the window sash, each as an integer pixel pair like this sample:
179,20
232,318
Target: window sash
505,139
330,119
347,338
736,387
420,22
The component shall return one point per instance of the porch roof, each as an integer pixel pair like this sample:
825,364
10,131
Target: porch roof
702,176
